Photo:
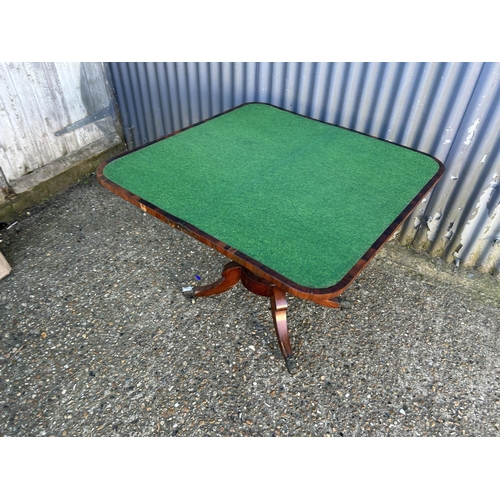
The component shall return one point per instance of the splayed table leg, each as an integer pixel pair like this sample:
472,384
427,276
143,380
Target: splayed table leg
230,277
279,306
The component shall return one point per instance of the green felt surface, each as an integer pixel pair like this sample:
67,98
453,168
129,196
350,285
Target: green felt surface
304,198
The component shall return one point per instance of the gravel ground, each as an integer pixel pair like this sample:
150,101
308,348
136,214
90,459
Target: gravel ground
97,340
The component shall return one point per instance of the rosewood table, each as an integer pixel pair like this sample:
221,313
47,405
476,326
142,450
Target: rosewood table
299,206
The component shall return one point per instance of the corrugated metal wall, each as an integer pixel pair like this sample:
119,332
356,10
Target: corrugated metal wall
450,110
38,101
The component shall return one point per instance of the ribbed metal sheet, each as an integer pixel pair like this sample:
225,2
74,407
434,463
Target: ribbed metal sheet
450,110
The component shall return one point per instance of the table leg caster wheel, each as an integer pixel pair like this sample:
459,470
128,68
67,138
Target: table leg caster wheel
345,304
291,365
188,292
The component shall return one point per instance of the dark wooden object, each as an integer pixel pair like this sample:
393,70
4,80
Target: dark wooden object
256,277
231,275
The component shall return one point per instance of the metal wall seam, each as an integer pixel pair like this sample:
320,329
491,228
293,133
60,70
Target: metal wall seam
449,110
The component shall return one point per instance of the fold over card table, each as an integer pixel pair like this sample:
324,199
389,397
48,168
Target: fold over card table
298,206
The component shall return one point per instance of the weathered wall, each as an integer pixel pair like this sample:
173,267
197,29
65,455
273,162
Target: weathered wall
52,117
450,110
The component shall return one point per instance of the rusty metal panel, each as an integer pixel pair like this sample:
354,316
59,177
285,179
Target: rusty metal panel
50,111
449,110
465,224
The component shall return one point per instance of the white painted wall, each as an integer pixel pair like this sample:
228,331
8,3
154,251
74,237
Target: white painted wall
39,99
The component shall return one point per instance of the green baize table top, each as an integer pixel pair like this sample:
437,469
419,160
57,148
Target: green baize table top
304,198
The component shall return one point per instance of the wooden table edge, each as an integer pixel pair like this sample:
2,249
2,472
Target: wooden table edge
319,295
